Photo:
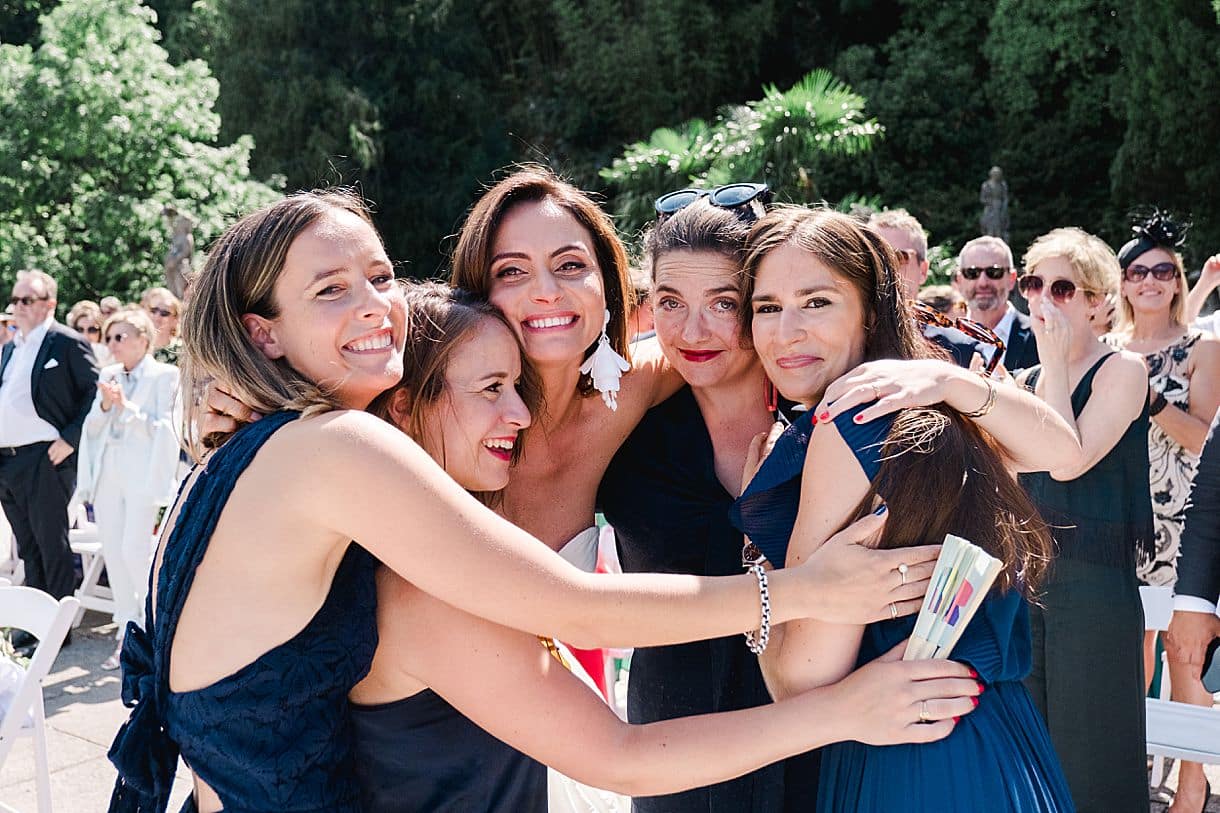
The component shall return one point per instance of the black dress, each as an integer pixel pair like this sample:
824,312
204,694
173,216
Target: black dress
1088,670
671,515
420,754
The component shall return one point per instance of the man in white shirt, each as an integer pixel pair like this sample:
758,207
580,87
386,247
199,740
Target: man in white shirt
985,277
48,378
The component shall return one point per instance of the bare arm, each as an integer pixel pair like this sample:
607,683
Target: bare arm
1209,278
656,374
452,652
813,653
363,479
1033,436
1189,428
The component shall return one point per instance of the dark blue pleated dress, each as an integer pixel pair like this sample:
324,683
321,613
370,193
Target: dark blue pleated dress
998,758
273,737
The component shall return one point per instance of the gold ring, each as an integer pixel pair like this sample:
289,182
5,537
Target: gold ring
893,611
876,393
924,717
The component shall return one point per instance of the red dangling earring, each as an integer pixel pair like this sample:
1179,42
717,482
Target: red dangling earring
770,396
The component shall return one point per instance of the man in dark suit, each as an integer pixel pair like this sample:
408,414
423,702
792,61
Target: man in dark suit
48,378
985,277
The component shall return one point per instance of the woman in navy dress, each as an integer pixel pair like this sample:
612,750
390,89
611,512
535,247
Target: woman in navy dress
824,299
262,613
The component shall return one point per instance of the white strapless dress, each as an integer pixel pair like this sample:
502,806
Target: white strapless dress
566,795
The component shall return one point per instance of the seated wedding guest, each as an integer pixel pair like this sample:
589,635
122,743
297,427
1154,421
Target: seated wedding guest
108,306
164,308
265,615
1194,632
1090,622
823,300
985,277
420,714
85,317
128,460
944,299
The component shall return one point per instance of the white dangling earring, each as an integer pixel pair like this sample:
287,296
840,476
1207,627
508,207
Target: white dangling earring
606,367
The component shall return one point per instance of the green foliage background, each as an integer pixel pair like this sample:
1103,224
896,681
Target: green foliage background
1092,107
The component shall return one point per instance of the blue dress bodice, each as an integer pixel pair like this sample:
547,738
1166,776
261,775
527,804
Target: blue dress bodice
276,734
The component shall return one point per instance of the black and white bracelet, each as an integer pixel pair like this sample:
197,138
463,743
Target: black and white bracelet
757,641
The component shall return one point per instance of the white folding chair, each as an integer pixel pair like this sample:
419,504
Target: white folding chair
85,542
48,620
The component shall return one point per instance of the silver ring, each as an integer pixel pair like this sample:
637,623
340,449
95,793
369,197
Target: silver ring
924,717
893,611
902,571
876,393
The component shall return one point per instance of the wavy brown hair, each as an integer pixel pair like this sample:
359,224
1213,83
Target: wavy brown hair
533,184
940,473
440,319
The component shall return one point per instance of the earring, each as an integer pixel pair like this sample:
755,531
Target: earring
606,367
770,396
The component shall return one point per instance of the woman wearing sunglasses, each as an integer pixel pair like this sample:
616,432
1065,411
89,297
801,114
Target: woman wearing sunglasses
1184,392
164,308
824,298
85,318
1090,621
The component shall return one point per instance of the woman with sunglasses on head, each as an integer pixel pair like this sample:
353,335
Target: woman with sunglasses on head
426,727
128,456
262,616
824,298
1184,392
1087,633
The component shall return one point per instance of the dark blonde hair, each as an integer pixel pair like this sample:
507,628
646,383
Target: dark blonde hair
534,184
239,278
139,320
440,319
940,473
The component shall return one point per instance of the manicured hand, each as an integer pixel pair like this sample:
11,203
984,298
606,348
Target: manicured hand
225,414
893,383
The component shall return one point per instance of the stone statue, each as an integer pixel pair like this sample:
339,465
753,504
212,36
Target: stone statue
181,248
994,196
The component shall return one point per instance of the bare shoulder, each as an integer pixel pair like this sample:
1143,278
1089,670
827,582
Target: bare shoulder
1124,379
653,376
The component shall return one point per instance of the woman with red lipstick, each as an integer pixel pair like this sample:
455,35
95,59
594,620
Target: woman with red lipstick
824,298
262,615
1184,392
1090,620
464,393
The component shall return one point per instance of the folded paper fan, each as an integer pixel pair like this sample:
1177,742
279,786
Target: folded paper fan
961,580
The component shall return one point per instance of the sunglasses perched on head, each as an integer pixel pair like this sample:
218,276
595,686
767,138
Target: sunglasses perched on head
925,314
1162,272
1062,290
731,196
996,272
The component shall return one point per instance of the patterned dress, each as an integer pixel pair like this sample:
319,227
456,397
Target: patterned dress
1172,466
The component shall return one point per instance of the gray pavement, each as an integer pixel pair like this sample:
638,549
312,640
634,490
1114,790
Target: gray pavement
84,712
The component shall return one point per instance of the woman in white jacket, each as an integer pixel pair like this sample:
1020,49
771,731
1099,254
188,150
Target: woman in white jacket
129,457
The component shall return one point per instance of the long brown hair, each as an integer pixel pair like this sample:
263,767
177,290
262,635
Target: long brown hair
940,473
532,184
441,319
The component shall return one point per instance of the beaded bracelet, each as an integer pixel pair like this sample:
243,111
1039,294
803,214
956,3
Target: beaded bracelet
757,641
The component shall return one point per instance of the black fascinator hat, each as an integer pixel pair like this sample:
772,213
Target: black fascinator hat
1152,230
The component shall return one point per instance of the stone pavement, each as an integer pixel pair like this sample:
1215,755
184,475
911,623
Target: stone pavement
84,712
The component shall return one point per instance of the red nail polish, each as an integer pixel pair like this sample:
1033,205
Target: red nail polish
957,719
815,420
975,701
859,418
973,674
982,688
825,416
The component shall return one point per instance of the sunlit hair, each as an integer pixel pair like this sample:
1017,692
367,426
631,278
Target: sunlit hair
1094,262
49,286
904,221
940,473
85,309
153,295
989,241
239,278
440,319
139,320
944,298
532,184
1177,306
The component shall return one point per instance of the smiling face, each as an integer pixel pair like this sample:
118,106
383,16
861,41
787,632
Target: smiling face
472,428
545,280
340,315
808,323
1150,295
697,317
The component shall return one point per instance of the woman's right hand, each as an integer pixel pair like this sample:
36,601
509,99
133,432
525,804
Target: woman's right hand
854,584
881,701
1053,333
224,414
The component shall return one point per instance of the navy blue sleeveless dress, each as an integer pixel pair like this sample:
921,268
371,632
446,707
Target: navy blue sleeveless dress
276,734
998,758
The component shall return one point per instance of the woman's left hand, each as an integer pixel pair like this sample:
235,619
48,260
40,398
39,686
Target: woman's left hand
893,383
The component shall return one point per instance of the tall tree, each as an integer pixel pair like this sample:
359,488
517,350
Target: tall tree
99,133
